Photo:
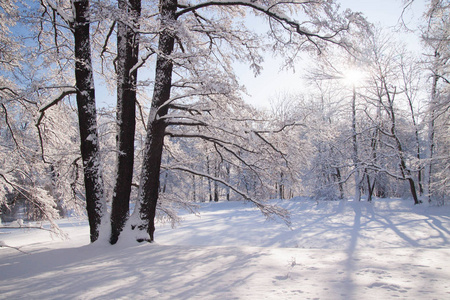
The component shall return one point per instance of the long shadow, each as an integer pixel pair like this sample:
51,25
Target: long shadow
436,224
351,256
394,227
113,272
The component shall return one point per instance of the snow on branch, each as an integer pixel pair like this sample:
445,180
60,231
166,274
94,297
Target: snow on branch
190,109
5,88
143,59
2,244
64,93
185,123
41,200
197,93
107,38
168,207
207,138
267,10
5,111
57,9
282,128
267,210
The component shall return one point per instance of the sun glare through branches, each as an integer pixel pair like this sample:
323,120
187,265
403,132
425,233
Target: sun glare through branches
353,77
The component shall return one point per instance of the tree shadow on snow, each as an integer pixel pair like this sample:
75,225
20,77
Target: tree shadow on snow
118,272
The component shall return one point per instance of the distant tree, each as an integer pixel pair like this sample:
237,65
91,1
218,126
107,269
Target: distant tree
384,93
435,36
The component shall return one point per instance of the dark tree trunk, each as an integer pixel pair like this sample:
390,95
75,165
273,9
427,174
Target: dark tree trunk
87,118
355,149
156,126
216,184
208,170
412,187
194,187
281,186
340,184
227,166
431,128
370,188
127,58
406,173
216,191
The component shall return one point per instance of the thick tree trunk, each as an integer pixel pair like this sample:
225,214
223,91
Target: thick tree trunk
87,118
149,188
127,58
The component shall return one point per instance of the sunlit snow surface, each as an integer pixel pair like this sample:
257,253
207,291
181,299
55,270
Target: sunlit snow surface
334,250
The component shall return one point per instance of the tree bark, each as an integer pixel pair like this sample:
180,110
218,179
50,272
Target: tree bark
149,187
127,58
216,184
208,171
340,184
87,118
431,133
355,149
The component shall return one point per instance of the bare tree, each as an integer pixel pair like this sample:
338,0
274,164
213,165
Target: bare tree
436,35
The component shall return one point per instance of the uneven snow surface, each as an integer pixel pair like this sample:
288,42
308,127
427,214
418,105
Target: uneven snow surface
390,249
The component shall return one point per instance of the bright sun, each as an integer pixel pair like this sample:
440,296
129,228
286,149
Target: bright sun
353,77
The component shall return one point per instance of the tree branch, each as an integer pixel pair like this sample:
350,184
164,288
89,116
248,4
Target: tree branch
9,126
267,11
267,210
65,92
207,138
67,18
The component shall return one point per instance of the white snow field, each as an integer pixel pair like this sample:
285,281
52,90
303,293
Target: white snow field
389,249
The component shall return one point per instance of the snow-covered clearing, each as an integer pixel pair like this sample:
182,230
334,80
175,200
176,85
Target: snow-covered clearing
385,250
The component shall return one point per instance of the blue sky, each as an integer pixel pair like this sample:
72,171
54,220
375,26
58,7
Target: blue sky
273,82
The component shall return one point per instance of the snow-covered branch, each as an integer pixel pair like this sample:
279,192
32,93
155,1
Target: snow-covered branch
268,10
64,93
207,138
69,19
268,210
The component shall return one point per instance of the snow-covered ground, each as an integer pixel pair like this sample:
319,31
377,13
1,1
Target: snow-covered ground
334,250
